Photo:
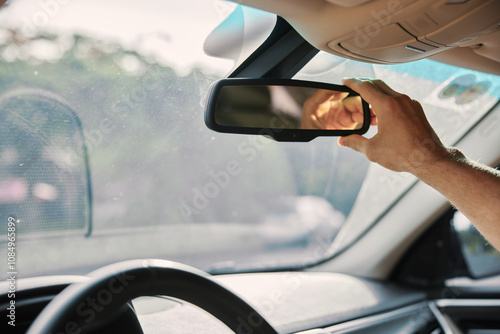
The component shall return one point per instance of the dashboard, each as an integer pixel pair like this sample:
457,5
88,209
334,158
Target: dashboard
294,302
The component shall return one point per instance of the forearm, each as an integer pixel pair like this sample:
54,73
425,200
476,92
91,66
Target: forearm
406,142
472,188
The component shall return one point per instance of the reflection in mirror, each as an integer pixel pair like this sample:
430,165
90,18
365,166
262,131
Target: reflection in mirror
288,107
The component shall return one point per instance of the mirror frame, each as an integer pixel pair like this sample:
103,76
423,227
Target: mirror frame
279,134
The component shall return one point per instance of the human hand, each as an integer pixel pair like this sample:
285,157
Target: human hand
331,110
405,140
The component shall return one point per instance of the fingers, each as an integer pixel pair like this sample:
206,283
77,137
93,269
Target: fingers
316,123
373,118
324,95
379,95
353,104
405,140
355,142
366,83
384,87
366,88
320,109
375,92
354,110
338,96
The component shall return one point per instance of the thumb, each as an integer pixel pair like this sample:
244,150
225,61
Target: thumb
356,142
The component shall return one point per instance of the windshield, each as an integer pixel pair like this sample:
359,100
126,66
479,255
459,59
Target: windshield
105,155
454,100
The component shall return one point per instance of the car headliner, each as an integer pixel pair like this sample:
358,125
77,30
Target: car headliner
321,21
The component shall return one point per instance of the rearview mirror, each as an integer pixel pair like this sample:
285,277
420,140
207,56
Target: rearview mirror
285,109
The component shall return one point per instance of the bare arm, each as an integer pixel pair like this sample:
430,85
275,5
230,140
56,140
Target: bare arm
406,142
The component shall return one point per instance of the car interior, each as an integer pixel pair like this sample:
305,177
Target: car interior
129,206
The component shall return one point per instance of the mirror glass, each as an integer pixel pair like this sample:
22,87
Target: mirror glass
288,107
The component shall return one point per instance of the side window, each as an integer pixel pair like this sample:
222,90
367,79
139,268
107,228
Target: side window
449,248
481,258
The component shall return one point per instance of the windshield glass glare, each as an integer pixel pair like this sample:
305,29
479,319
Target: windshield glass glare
162,184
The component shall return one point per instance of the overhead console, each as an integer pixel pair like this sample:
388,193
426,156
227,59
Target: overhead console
411,30
393,31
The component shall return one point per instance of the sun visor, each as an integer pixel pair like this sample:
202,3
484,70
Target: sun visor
239,34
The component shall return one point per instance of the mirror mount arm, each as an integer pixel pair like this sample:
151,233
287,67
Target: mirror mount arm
282,55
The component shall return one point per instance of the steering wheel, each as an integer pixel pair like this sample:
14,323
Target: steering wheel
93,303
